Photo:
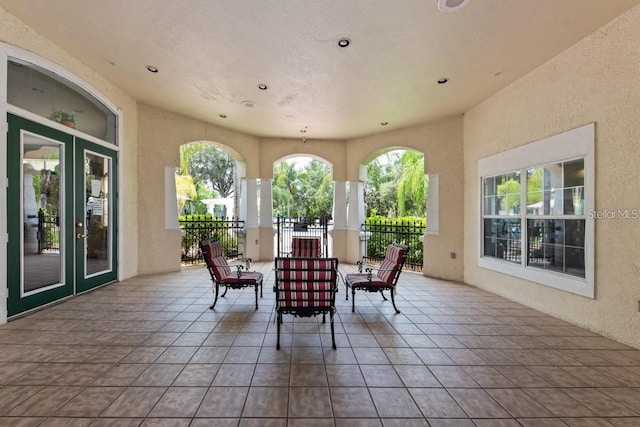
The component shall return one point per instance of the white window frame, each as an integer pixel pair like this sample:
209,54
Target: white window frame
570,145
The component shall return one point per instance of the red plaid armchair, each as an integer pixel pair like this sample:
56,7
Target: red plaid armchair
306,287
380,279
222,275
308,247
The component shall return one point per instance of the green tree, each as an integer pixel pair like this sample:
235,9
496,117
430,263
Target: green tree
316,187
534,185
213,167
380,190
186,153
185,190
396,183
412,185
509,191
304,192
284,190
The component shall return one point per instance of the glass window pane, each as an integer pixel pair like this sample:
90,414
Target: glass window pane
574,187
556,245
508,191
502,239
49,95
97,196
42,210
501,194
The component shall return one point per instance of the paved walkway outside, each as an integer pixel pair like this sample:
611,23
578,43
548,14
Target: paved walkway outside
149,352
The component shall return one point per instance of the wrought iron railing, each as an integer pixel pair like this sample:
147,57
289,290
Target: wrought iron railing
197,228
48,232
287,228
379,233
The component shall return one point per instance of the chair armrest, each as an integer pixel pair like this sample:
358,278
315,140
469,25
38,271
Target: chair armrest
369,272
239,268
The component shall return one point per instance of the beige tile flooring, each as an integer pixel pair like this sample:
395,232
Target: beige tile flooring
149,352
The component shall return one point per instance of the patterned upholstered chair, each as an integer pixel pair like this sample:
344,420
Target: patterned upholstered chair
378,279
305,247
223,276
306,287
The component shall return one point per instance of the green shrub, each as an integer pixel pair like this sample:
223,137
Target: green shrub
402,230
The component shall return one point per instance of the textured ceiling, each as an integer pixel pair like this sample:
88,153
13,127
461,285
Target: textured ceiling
213,54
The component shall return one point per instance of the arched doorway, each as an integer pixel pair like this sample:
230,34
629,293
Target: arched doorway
303,200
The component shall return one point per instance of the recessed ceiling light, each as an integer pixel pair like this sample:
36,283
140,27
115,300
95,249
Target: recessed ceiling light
443,81
262,86
152,69
384,123
222,116
344,42
248,104
451,5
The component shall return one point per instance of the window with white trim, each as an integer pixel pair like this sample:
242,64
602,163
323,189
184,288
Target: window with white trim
534,221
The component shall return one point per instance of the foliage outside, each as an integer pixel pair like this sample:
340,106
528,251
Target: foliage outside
305,191
402,230
509,190
397,185
201,227
205,172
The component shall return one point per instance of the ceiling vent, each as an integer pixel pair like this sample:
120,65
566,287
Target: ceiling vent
451,5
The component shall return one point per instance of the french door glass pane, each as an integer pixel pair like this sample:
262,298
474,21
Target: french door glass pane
42,213
97,202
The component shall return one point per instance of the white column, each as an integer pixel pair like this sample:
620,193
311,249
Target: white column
433,223
356,205
249,202
340,205
170,199
266,204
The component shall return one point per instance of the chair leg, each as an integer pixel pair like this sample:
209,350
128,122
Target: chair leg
256,295
260,289
279,322
226,289
346,291
215,297
353,299
393,300
333,336
383,297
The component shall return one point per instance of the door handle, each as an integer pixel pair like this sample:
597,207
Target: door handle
80,236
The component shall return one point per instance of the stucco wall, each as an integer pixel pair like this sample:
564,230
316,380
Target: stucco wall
441,142
15,33
597,80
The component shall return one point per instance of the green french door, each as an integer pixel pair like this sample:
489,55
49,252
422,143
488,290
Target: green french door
60,215
95,215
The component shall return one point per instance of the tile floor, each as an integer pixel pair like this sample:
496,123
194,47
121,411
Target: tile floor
149,352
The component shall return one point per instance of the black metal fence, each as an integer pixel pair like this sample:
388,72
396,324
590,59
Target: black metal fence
381,232
48,232
196,228
287,228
